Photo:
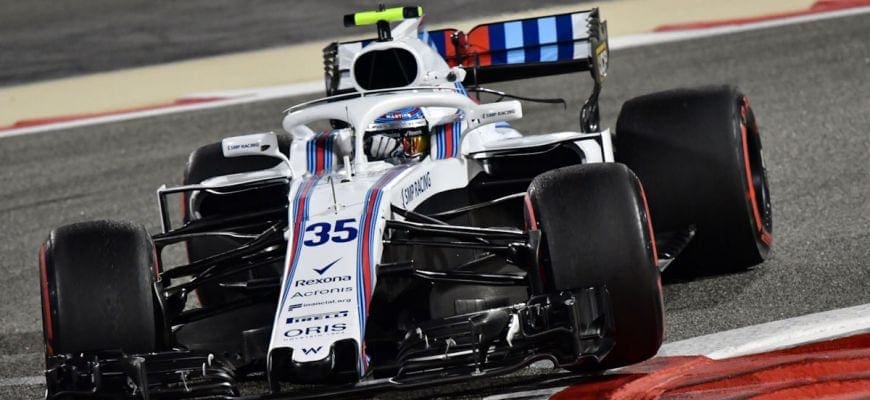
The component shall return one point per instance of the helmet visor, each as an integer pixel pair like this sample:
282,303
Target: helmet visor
415,143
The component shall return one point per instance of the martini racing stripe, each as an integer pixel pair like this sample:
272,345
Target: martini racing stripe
447,139
365,268
299,216
543,39
319,153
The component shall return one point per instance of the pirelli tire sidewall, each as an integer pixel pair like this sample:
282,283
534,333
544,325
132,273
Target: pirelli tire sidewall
97,288
698,153
596,232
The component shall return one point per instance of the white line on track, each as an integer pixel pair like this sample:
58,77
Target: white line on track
646,39
527,394
775,335
246,96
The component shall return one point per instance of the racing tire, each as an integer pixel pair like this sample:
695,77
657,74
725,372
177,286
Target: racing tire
698,153
97,289
596,231
208,162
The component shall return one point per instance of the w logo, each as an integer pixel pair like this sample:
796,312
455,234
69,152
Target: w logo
311,350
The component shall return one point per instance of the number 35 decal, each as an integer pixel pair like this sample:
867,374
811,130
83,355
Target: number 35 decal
320,233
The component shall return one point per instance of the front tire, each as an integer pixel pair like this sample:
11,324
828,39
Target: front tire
698,153
208,162
97,288
597,231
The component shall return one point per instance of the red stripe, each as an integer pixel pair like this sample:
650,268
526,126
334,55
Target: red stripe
157,268
532,221
817,7
448,140
367,276
649,227
530,213
297,222
47,325
764,235
370,214
478,42
320,152
73,117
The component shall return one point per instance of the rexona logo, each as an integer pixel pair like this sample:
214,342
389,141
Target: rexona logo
416,188
312,350
321,291
318,281
316,317
244,146
316,330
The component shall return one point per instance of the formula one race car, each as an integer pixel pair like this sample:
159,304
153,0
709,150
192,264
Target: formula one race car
420,239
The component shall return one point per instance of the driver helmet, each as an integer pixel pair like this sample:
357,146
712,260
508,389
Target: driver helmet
398,136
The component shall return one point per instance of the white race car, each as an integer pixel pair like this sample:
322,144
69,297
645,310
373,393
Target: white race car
419,239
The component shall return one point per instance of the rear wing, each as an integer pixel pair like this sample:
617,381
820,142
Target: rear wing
504,51
525,48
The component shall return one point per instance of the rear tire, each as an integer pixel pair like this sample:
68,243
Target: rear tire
698,153
97,288
597,231
208,162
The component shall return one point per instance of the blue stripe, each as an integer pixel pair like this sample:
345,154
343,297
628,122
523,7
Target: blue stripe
302,195
547,37
370,229
327,153
437,38
496,44
461,88
439,141
457,131
565,37
310,152
514,40
530,41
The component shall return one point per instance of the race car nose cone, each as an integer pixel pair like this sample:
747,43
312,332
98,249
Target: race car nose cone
341,365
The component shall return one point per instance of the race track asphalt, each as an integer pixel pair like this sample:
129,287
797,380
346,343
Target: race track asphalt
808,83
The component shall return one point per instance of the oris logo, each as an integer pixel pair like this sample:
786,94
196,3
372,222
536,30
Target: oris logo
317,281
315,330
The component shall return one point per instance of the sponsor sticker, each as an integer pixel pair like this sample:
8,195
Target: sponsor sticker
296,306
320,281
416,188
317,330
316,317
309,293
